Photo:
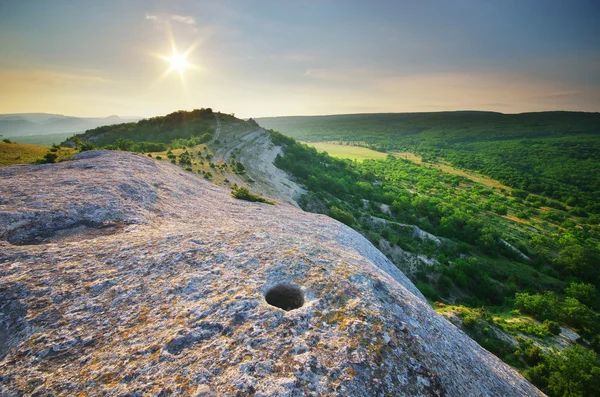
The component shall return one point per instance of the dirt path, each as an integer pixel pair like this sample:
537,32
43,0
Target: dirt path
217,131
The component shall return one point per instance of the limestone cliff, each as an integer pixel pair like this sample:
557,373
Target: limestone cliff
121,275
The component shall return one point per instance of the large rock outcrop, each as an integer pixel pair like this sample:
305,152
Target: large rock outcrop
122,275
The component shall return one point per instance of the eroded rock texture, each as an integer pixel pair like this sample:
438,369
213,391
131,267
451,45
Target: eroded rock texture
121,275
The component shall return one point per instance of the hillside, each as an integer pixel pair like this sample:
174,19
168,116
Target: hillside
518,271
158,282
199,123
18,153
219,147
554,154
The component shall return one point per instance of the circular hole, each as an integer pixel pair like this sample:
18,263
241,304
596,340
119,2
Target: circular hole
285,296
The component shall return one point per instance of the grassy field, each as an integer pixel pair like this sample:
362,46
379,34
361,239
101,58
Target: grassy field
447,168
346,151
361,153
21,153
46,139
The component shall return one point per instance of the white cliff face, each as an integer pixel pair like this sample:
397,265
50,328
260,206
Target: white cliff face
121,275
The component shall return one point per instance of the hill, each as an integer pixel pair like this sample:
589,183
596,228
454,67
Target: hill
157,281
554,154
219,147
199,124
27,126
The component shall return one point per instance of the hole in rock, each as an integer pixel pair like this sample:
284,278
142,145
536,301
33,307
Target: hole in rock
285,296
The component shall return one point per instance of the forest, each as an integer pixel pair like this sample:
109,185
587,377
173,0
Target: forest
506,259
553,154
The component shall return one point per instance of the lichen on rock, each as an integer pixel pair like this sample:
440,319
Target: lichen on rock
174,299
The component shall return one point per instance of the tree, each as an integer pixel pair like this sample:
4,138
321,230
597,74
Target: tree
574,373
584,293
50,157
541,306
341,215
77,142
125,145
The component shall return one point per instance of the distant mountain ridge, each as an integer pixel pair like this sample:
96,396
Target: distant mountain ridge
24,124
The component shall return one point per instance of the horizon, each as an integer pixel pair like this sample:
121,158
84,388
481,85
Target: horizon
128,117
269,59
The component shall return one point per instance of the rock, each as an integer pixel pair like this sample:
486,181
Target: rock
173,299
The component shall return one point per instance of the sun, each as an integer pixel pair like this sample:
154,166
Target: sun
178,62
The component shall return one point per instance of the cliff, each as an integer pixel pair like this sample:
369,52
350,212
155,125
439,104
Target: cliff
122,275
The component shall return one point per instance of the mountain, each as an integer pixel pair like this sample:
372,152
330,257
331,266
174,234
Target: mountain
157,281
27,124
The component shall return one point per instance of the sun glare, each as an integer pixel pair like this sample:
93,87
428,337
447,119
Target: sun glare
178,62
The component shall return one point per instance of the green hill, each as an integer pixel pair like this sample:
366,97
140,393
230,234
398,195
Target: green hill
155,133
554,154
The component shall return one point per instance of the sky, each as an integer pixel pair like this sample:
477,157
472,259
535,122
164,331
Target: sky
298,57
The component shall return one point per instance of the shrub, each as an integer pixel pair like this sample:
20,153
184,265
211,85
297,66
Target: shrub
242,193
541,306
340,215
552,327
205,138
584,293
50,157
469,320
427,291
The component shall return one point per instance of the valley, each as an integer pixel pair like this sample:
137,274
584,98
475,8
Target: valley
490,256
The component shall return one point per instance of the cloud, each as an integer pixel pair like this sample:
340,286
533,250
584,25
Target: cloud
45,77
394,91
186,19
182,19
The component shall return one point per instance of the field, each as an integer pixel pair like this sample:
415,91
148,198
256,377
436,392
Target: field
46,139
346,151
447,168
20,153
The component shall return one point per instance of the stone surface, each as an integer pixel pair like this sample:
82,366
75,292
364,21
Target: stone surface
121,275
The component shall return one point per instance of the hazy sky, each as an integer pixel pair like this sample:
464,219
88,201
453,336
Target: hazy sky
266,58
